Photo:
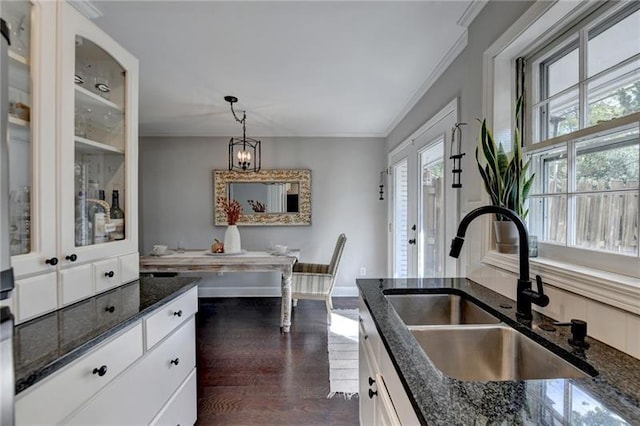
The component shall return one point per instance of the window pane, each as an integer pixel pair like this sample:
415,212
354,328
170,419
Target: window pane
560,116
431,243
624,35
550,213
400,216
561,74
609,162
615,94
607,221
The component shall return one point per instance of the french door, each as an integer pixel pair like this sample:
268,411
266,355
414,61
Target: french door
424,206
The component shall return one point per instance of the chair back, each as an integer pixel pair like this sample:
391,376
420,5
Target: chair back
337,254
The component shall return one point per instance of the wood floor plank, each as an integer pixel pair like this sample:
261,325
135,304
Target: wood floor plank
251,374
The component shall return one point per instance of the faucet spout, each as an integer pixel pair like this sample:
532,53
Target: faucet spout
524,291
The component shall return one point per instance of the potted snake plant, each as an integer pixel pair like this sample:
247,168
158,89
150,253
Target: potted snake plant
505,180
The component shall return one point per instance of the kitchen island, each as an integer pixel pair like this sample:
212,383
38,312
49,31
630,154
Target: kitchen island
613,395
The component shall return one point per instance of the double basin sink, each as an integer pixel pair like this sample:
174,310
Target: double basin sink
466,342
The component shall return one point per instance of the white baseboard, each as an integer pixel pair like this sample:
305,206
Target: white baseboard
262,292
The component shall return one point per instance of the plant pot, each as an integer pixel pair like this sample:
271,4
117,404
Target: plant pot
232,240
506,236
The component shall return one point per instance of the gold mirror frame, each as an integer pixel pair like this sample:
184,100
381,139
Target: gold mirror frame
222,179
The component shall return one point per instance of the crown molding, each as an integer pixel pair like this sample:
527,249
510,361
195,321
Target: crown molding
471,12
87,8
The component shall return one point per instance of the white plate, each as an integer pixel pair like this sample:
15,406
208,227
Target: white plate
167,253
210,253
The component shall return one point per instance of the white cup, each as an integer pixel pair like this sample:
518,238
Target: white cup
159,249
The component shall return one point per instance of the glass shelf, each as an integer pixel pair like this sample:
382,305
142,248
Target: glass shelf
86,146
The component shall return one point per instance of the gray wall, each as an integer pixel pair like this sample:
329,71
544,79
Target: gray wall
176,202
463,79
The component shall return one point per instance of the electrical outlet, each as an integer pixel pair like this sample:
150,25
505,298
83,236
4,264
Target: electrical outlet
363,271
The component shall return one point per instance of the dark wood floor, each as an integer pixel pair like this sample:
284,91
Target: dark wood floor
251,374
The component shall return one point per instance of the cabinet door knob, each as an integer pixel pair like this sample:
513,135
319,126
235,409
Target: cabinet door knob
100,371
110,309
175,361
371,381
372,393
72,257
109,274
178,313
53,261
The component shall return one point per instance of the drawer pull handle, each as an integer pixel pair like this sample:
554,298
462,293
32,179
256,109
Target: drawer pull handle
72,257
175,361
178,313
100,371
371,381
372,393
109,274
110,309
53,261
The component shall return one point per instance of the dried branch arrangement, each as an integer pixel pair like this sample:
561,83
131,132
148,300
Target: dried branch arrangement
232,209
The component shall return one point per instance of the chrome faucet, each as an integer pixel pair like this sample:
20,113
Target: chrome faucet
525,295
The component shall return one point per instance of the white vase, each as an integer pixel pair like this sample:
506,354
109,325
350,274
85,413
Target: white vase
232,240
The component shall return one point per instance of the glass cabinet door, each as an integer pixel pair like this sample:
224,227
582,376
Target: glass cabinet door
98,79
18,17
31,134
99,145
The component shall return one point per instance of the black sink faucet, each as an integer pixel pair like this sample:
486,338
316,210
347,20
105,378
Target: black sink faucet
525,295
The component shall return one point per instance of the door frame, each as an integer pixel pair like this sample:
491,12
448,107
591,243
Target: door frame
407,149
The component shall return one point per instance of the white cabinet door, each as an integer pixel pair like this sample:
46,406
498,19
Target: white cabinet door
97,128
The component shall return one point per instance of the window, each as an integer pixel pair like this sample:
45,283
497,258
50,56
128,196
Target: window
584,124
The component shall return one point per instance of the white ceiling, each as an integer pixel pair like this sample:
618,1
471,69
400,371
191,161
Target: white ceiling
299,68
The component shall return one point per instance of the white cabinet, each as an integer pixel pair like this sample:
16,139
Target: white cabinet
383,400
119,382
72,137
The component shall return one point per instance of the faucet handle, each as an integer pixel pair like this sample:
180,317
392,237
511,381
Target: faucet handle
537,297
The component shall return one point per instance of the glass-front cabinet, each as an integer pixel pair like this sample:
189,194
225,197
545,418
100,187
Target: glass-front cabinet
73,157
98,141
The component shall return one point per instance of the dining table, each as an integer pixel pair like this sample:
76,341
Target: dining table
205,261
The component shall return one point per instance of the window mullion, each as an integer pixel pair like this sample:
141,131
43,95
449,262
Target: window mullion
582,77
571,189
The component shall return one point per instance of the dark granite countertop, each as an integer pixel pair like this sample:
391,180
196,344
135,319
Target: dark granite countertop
49,342
612,397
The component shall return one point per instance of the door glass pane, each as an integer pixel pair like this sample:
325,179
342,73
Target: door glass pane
18,17
400,219
99,129
431,212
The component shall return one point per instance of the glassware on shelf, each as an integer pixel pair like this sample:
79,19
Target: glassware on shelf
102,82
20,221
80,124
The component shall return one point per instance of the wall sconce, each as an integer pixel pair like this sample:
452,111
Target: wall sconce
244,153
383,176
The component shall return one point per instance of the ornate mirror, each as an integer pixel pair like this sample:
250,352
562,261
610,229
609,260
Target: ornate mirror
267,197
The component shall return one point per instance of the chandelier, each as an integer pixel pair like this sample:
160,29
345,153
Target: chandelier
244,153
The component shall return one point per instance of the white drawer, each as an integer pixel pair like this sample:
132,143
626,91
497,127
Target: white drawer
140,393
129,268
52,400
36,296
106,274
75,284
169,316
182,408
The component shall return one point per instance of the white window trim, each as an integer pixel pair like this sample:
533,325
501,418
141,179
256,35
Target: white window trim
538,23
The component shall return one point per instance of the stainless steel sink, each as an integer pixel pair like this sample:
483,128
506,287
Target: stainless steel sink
485,353
438,309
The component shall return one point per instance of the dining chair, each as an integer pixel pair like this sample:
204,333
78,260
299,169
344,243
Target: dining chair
316,281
